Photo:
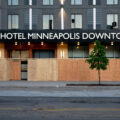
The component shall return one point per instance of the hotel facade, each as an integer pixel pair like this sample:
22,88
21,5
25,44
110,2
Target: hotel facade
49,40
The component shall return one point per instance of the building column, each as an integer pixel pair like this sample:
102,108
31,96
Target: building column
2,50
62,51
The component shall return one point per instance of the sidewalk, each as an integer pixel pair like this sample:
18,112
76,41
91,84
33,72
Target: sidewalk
50,84
57,89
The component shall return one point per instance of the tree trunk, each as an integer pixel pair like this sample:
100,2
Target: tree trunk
99,77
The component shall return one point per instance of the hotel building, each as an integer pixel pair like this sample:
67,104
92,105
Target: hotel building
41,40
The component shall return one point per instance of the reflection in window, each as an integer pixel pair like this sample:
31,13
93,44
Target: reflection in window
47,21
112,19
47,2
13,21
13,2
76,2
76,21
113,52
78,52
112,2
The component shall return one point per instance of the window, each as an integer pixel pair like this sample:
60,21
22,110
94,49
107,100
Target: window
43,54
26,19
113,52
78,52
112,21
76,21
112,2
90,2
47,2
76,2
98,2
26,2
47,21
13,21
13,2
19,54
90,18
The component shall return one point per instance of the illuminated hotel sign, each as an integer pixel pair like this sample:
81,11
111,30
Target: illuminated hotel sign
59,35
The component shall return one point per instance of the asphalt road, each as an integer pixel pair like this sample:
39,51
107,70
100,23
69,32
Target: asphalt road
54,108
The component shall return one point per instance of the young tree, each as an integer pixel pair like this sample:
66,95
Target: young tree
97,58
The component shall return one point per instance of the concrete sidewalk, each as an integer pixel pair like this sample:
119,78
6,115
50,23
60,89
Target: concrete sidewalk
26,84
57,89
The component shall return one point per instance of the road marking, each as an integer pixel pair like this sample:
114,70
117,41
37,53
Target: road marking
10,109
78,109
60,109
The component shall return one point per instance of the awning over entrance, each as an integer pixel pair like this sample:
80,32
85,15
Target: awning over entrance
59,35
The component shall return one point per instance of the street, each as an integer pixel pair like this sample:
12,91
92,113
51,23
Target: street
59,102
46,108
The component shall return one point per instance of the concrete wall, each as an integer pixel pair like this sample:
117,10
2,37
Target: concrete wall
58,70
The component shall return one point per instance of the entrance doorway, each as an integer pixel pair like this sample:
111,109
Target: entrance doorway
24,70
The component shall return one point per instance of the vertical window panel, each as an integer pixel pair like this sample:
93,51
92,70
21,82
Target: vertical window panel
46,21
13,2
76,21
110,19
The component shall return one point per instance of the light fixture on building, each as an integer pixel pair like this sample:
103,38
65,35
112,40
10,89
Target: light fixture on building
78,43
78,47
62,2
42,43
62,14
62,43
16,43
106,47
0,53
28,43
94,44
112,43
62,54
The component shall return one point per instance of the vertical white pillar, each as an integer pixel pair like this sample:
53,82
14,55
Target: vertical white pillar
30,15
62,15
94,15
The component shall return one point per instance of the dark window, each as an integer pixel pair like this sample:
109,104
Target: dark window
34,2
26,2
43,53
26,19
90,2
98,2
34,19
90,18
